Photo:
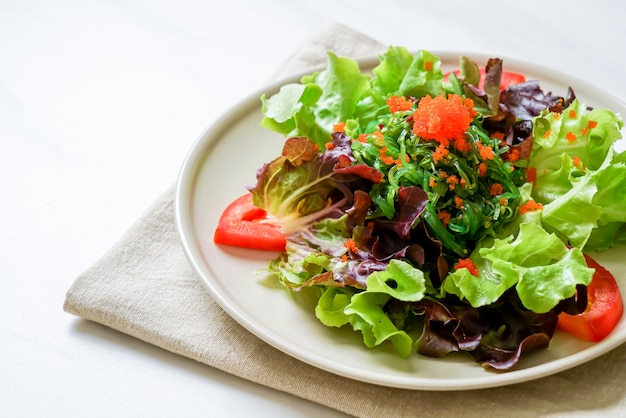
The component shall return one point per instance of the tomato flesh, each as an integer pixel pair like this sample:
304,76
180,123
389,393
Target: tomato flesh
508,78
244,225
604,307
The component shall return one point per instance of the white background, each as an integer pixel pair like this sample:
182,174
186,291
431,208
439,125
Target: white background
100,102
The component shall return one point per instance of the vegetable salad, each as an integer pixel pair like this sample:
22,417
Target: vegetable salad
440,212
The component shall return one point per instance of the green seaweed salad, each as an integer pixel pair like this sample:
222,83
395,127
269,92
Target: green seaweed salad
440,212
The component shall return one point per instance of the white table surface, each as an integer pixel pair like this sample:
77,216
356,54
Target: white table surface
99,103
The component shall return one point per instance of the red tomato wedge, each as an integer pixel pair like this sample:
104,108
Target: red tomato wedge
604,307
508,78
244,225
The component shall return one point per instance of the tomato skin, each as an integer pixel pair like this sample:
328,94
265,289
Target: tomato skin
604,307
244,225
508,78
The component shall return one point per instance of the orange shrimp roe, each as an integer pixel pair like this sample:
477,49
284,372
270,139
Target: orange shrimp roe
462,144
452,181
578,163
444,217
382,155
530,206
482,170
350,245
379,137
362,138
485,151
443,118
339,127
498,135
399,103
495,189
399,161
512,154
440,152
468,264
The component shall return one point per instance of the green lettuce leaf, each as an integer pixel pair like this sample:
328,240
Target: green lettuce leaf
311,108
399,280
343,93
336,308
369,317
573,132
391,70
541,268
332,304
365,310
579,175
423,77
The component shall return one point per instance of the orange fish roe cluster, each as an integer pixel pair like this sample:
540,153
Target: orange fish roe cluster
444,217
468,264
350,245
592,124
498,135
572,114
547,133
440,153
329,145
339,127
428,65
362,138
495,189
399,161
382,155
399,103
530,206
443,118
379,137
458,202
512,155
578,163
432,182
571,137
482,170
452,181
485,151
462,144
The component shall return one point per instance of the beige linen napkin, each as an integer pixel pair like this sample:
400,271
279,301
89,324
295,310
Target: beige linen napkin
144,287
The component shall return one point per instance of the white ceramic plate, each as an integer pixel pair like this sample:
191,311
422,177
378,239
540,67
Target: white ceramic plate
224,161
